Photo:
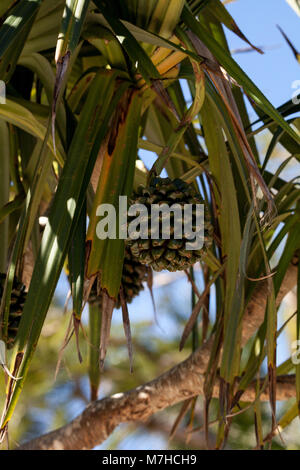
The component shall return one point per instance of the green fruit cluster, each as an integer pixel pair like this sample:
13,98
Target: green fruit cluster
171,253
17,300
133,275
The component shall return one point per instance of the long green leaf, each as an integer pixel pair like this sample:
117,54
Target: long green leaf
72,22
21,117
63,218
94,346
42,67
4,191
130,44
116,179
236,72
219,11
17,22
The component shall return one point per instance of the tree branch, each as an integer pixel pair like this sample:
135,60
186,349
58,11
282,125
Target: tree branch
183,381
100,418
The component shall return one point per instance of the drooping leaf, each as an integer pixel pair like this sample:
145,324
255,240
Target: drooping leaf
130,44
13,34
94,346
237,73
116,179
64,215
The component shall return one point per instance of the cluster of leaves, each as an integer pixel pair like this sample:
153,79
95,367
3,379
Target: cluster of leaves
89,83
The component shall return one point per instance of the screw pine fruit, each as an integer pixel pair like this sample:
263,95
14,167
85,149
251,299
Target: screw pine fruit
133,275
18,297
170,254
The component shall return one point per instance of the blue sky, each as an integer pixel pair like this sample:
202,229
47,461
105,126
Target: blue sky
275,70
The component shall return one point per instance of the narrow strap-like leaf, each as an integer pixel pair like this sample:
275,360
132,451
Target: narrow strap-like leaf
236,72
130,44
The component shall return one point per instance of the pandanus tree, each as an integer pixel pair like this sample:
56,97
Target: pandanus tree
89,86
